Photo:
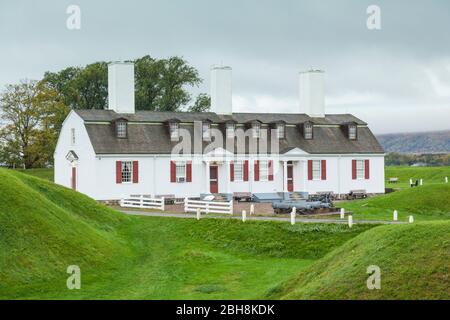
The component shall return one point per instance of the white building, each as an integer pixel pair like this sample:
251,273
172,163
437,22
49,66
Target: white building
109,154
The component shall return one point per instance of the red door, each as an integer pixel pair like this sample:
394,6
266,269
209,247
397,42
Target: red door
74,178
290,177
213,179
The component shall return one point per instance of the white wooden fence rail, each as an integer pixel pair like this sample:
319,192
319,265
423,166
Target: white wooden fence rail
142,201
208,206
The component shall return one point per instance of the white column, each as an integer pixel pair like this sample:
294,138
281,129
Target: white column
285,188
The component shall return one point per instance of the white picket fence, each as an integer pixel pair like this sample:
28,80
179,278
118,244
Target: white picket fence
142,201
208,206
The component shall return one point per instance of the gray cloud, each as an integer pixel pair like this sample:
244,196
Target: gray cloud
397,79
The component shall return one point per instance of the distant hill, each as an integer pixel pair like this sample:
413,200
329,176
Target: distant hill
421,142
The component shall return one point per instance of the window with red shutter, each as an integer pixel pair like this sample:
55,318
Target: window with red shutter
231,171
118,171
256,170
135,172
310,169
324,170
188,171
354,169
270,170
173,175
246,170
367,169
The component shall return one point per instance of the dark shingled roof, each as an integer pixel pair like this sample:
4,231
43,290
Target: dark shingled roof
145,137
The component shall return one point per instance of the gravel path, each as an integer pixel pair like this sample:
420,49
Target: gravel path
310,220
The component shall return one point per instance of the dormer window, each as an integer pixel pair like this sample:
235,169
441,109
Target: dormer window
352,132
308,131
230,129
121,129
206,131
256,130
280,130
174,129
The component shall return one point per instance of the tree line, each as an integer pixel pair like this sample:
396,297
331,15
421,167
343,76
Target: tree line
32,111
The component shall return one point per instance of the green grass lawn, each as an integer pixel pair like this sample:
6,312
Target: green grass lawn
414,261
430,175
45,228
428,202
44,173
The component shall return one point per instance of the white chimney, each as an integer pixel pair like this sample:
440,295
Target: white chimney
221,90
121,87
312,93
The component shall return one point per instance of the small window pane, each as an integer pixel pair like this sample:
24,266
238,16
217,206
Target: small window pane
360,169
239,171
317,172
280,131
127,171
352,132
181,171
121,129
308,131
174,132
263,170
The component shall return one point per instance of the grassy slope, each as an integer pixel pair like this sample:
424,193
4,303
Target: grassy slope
414,262
44,228
430,175
430,202
44,173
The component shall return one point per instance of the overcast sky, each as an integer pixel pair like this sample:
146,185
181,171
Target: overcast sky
397,79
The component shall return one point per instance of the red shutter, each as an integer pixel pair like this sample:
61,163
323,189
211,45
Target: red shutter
118,171
246,170
324,169
173,174
354,169
310,172
135,172
256,171
188,171
270,170
231,171
366,169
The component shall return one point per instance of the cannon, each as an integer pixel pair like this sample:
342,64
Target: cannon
302,206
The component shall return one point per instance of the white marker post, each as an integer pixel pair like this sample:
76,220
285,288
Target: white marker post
244,215
411,219
421,182
410,182
252,209
446,179
395,215
342,213
350,221
293,213
198,213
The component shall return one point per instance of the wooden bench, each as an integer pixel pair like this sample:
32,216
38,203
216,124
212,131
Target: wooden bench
393,180
242,196
357,194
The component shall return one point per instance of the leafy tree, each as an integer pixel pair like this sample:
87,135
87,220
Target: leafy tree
160,84
201,104
32,114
